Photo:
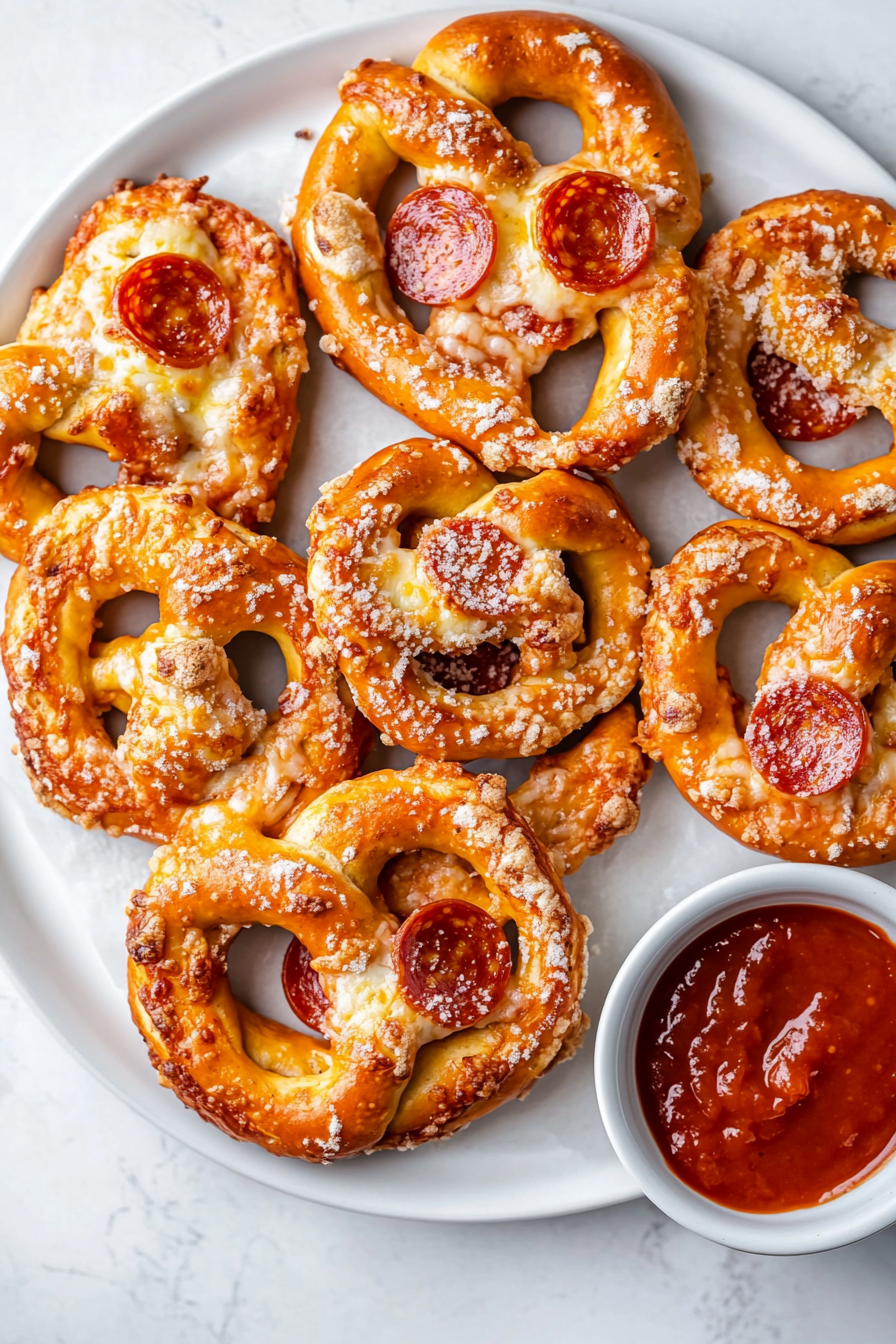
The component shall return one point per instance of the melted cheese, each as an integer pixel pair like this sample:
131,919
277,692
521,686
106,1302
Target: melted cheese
182,403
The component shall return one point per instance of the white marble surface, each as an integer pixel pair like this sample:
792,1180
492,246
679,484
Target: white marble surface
109,1230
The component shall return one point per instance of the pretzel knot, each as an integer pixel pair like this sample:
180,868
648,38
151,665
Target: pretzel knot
790,354
191,733
458,628
806,773
426,1025
173,342
519,260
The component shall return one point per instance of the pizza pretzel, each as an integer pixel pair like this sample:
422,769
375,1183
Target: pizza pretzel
172,341
806,774
401,1063
191,733
448,598
519,259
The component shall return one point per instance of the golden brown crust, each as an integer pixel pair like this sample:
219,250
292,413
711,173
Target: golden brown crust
776,277
579,801
223,429
376,602
843,630
191,734
467,378
387,1076
37,383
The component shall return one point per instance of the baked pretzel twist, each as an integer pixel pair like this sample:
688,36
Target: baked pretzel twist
191,733
403,1060
517,264
173,342
776,282
808,773
448,600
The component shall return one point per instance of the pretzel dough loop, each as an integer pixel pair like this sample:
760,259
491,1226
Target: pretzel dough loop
842,633
190,733
222,428
467,377
377,598
387,1076
776,278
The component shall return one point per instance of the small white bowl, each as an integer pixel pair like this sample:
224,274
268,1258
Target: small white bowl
863,1210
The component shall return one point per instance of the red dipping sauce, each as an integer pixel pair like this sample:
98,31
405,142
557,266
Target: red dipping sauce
766,1058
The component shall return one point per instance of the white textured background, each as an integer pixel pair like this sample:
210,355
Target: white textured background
111,1233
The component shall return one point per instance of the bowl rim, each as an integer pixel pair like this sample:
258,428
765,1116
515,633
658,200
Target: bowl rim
869,1206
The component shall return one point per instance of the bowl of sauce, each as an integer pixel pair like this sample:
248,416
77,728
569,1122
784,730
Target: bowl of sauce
746,1059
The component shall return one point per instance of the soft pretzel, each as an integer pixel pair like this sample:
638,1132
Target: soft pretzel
190,733
409,1055
447,598
809,775
173,342
518,259
791,354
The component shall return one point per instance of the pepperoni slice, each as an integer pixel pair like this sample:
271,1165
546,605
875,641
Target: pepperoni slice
479,671
806,736
440,244
789,403
453,962
302,987
176,308
473,564
594,232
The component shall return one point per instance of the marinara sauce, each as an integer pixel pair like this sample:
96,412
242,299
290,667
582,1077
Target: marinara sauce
766,1058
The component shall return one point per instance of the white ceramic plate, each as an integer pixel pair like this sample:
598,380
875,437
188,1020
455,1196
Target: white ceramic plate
61,920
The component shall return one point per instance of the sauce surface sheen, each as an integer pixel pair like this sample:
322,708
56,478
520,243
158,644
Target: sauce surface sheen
766,1058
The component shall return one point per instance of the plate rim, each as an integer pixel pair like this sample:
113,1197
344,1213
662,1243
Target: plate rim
628,29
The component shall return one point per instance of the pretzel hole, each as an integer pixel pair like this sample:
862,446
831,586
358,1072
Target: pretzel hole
129,614
73,466
480,671
114,721
575,580
512,934
561,392
744,640
254,969
876,297
260,666
410,529
553,132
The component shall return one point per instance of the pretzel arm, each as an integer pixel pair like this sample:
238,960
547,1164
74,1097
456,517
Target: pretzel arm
445,135
37,383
